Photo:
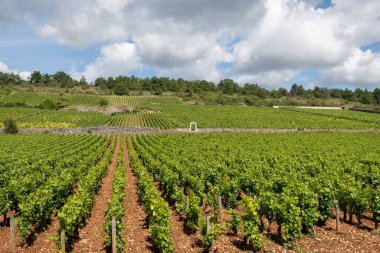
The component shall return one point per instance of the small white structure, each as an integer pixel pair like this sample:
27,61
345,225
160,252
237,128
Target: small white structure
195,127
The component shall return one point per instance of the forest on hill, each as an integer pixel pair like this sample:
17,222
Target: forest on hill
227,91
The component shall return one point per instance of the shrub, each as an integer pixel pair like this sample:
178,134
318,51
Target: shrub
10,126
158,92
103,102
48,104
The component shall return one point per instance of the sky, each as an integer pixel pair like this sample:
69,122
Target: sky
273,43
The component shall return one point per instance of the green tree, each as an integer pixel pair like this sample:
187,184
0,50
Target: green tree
348,95
366,97
321,92
36,77
62,79
10,79
83,81
297,90
228,86
358,93
121,89
101,82
376,95
282,91
336,93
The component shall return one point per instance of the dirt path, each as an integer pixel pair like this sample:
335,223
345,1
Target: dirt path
135,230
228,242
91,237
5,233
182,241
43,242
350,238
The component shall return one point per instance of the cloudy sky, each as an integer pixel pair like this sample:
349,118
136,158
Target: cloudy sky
270,42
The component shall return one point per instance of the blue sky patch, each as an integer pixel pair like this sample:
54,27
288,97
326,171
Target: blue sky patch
23,50
374,47
324,4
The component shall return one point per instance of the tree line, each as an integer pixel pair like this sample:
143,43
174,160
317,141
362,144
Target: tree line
123,85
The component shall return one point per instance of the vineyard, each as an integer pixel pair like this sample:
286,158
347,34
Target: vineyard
36,118
168,112
163,190
143,126
342,114
212,116
153,120
35,98
142,101
188,193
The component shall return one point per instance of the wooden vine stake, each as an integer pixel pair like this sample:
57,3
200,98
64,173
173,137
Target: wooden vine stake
376,222
220,209
113,235
337,216
63,246
208,223
350,217
187,201
12,245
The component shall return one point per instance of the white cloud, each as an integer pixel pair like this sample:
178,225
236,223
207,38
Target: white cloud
361,18
24,74
204,67
5,69
193,57
291,35
169,51
269,79
360,68
82,23
266,41
115,59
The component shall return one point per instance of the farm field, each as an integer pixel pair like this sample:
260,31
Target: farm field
37,118
170,112
35,98
276,191
153,120
257,191
342,114
178,127
142,101
263,117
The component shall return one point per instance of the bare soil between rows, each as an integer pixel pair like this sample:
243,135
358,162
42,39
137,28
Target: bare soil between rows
92,235
135,228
